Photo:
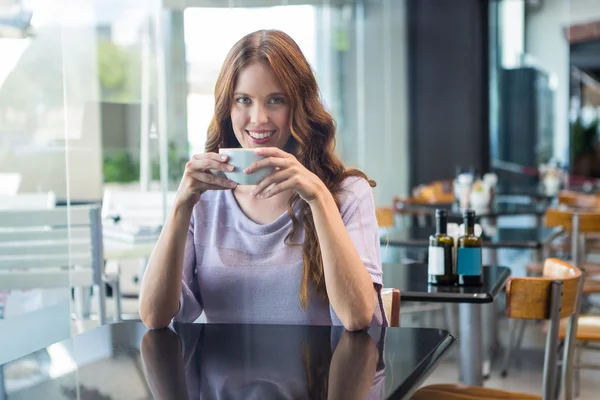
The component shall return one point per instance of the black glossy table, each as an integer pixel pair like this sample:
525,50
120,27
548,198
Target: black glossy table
210,361
411,279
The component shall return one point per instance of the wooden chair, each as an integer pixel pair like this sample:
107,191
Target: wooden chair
589,223
432,193
578,224
385,217
582,202
391,305
552,297
588,334
579,200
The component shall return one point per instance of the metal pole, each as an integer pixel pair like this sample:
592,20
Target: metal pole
551,355
361,127
470,344
567,367
3,394
145,170
98,261
161,72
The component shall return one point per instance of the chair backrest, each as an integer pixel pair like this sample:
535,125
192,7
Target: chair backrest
135,207
50,248
553,296
529,297
579,200
589,221
9,183
385,217
391,305
28,201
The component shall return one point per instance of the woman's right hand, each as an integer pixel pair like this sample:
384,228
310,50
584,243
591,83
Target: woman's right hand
197,177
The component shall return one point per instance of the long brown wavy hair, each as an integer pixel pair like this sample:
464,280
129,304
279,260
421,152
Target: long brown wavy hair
312,129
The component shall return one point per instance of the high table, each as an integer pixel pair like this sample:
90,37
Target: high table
125,360
411,279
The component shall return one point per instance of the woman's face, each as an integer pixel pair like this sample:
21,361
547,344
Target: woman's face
260,110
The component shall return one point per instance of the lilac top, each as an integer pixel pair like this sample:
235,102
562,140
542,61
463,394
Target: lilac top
238,271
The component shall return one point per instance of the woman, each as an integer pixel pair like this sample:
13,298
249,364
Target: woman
303,245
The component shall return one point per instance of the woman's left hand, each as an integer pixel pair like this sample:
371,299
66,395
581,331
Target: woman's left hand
288,174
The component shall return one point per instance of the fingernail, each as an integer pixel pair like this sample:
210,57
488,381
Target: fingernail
230,168
232,184
247,170
253,192
264,195
223,158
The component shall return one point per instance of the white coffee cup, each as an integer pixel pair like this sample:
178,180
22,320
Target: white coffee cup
242,159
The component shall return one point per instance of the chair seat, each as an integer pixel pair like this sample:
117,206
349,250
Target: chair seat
536,268
592,244
464,392
588,328
591,286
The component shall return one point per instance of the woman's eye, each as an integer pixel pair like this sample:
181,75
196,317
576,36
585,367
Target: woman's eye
277,100
243,100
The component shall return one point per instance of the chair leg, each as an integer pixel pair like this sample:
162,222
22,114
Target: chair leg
577,368
558,387
3,394
116,285
514,343
101,299
512,333
83,302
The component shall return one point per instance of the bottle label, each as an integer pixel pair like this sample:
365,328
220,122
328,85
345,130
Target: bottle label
468,261
437,260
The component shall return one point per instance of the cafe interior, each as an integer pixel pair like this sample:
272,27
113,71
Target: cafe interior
490,106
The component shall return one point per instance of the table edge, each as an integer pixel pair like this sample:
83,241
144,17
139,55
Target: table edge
401,392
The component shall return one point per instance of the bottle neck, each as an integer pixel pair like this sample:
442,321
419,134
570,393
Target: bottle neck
469,226
441,225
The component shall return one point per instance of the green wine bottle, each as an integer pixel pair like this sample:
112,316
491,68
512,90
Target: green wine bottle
468,257
441,265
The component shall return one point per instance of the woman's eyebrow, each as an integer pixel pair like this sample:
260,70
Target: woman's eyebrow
269,95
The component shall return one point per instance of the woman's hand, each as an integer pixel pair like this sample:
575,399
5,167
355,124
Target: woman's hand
197,177
288,174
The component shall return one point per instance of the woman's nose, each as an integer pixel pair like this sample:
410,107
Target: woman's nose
259,115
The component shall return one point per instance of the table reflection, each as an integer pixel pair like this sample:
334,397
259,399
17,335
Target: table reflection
263,362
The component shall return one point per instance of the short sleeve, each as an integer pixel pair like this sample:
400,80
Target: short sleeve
357,209
190,304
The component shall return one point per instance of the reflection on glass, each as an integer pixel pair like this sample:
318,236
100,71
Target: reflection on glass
261,362
33,312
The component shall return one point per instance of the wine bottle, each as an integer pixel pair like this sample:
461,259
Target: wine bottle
468,256
441,265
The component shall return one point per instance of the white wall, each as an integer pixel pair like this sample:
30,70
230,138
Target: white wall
375,135
582,11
